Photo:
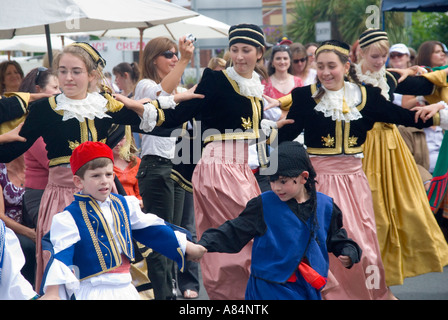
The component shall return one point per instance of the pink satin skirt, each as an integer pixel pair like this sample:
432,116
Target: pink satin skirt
343,179
57,195
223,183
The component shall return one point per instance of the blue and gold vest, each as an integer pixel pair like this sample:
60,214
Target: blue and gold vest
277,254
100,254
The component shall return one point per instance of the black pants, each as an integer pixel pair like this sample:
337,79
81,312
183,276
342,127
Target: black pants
189,279
162,198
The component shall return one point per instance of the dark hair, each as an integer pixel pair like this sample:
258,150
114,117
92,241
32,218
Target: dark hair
92,165
131,68
292,160
274,50
425,51
36,77
3,66
351,76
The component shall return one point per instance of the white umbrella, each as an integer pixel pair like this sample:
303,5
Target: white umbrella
26,17
202,27
22,17
35,43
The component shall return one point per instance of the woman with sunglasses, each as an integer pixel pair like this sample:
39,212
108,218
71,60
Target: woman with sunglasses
410,240
161,75
301,65
280,81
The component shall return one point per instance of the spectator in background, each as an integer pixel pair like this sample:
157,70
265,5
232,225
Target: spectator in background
126,77
301,65
162,71
413,55
11,75
110,83
281,81
431,54
310,50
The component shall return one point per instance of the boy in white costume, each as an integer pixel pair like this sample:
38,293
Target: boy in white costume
91,240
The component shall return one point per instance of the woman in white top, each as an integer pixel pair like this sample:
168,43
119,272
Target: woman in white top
161,74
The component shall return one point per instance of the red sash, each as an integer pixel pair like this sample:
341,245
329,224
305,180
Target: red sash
125,266
310,275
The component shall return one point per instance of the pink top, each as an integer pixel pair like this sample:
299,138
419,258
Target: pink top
272,92
36,166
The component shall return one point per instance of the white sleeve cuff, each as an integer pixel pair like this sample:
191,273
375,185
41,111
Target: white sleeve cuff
267,126
166,102
444,116
149,119
182,239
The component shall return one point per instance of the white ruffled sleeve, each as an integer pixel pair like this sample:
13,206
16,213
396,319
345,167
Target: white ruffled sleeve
13,285
149,119
148,88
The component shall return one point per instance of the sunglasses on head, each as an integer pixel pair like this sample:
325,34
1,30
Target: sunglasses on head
280,47
169,54
38,74
300,60
396,55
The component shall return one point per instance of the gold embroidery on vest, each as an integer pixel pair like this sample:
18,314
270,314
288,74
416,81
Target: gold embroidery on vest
352,141
246,123
73,144
328,141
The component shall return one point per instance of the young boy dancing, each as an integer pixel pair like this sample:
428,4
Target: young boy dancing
91,240
293,227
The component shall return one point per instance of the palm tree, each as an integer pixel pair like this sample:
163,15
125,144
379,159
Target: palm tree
348,20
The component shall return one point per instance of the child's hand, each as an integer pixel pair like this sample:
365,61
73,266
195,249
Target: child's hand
194,252
346,261
427,112
188,95
272,103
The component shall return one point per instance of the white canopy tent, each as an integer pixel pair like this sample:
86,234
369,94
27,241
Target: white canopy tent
201,27
28,17
35,43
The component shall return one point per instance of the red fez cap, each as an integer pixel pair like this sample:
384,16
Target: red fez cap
88,151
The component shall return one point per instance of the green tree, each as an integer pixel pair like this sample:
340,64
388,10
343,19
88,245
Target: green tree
348,20
428,26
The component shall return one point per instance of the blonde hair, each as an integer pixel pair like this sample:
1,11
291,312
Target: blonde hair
129,150
216,62
91,66
381,45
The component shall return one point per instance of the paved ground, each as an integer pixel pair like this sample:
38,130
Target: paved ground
431,286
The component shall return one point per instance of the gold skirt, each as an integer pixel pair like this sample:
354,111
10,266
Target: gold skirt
411,242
